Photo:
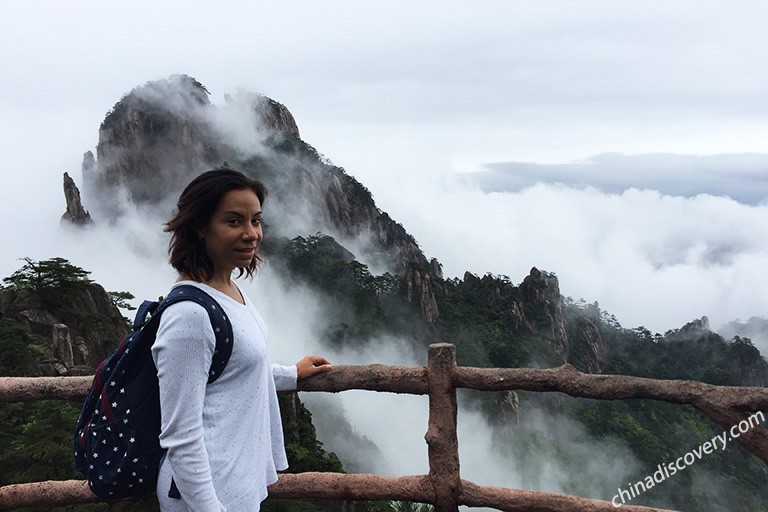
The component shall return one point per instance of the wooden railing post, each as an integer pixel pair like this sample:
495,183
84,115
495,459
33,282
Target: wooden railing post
442,439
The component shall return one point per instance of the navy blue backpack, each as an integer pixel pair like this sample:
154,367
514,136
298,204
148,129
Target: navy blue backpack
116,443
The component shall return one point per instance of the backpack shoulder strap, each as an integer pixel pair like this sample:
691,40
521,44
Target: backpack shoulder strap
146,309
222,327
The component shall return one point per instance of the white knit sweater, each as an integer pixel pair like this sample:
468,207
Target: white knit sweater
224,440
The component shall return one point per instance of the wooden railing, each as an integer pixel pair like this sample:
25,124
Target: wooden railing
442,486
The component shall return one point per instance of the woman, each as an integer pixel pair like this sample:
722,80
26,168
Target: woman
224,440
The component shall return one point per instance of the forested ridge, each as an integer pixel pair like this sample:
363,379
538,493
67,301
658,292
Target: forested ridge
36,436
474,315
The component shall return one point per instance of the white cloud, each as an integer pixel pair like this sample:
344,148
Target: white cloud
743,177
648,258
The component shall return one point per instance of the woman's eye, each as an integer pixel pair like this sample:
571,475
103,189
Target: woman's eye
256,222
233,222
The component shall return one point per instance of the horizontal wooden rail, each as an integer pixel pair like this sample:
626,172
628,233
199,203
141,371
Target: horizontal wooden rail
30,389
373,377
725,405
571,381
338,486
514,500
46,494
414,380
443,486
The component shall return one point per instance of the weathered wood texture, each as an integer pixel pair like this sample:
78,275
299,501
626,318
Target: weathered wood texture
442,438
336,486
725,405
29,389
513,500
442,486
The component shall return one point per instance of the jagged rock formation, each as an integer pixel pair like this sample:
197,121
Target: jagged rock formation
533,308
420,290
506,408
741,364
304,434
160,135
272,114
151,142
75,213
755,328
80,327
542,306
587,346
745,372
698,326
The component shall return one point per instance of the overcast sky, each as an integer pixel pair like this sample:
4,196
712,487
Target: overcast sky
603,141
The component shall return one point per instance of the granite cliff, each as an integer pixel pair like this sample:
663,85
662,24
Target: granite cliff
79,327
161,134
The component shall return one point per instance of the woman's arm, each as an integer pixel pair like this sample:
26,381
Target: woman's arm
286,376
182,353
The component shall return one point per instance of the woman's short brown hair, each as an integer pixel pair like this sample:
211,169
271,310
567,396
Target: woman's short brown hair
194,211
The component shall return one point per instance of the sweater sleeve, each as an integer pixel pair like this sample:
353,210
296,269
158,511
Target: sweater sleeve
182,353
285,377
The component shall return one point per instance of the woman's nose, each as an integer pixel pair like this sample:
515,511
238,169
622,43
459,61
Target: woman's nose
250,233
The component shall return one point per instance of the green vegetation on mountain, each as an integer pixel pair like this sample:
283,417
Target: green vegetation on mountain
37,436
364,306
484,318
21,350
51,277
493,323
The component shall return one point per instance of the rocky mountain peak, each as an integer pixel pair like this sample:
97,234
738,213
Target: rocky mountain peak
162,134
151,133
535,308
543,307
75,212
698,326
269,113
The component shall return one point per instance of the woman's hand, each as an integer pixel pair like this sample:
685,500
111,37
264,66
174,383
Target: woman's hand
311,365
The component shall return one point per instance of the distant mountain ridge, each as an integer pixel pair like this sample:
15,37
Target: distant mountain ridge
163,133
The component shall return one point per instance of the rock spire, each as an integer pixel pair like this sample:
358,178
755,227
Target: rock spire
75,213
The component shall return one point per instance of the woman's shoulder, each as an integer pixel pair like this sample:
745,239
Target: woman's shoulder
186,315
185,302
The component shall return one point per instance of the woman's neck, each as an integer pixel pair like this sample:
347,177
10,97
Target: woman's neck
222,283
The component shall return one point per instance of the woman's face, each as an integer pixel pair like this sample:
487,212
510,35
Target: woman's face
234,232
